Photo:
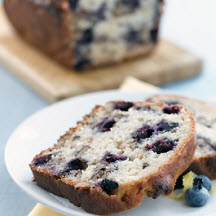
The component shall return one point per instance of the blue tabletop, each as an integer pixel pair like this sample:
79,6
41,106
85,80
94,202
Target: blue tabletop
189,23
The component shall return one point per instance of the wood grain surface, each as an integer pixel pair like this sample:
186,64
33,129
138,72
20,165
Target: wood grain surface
167,63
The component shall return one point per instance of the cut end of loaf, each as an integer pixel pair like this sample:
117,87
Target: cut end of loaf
88,34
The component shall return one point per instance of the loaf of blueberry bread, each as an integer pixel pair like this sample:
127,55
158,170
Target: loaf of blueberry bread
118,154
205,116
86,33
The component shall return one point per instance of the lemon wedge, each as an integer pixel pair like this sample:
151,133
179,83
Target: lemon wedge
187,182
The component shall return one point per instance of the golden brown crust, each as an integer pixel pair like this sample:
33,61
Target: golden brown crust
46,26
205,165
91,200
129,195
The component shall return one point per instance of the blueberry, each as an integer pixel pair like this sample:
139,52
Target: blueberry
162,146
79,54
133,4
73,4
111,158
81,63
163,125
154,35
123,106
42,160
100,13
171,109
173,125
204,181
108,186
74,164
179,181
133,36
142,133
197,196
105,125
87,36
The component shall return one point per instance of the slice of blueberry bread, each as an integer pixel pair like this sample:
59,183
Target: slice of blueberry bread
86,33
205,116
118,154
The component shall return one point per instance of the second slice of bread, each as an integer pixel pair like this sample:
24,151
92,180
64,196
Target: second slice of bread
205,116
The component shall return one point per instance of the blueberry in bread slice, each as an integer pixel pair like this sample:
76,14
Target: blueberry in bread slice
118,154
87,33
205,116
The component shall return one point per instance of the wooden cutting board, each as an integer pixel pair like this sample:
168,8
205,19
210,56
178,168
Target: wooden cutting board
166,64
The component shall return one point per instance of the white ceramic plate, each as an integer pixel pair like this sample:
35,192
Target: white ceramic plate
42,130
